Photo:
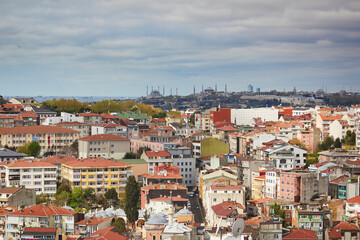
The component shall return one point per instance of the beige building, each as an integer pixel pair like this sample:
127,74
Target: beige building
97,173
82,128
50,138
103,145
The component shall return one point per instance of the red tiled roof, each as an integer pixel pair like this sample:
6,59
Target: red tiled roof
8,209
94,162
28,114
42,211
91,221
111,125
106,234
109,116
167,199
58,159
299,233
5,116
261,200
339,179
354,200
29,164
89,114
228,187
168,175
226,208
157,153
227,128
158,120
39,229
70,123
10,190
104,137
36,129
335,232
164,186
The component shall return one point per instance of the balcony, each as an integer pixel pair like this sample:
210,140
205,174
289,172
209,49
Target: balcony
123,172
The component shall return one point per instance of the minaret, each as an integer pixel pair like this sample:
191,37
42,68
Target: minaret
152,88
194,90
171,210
170,91
147,90
163,90
225,88
215,87
176,91
202,88
158,89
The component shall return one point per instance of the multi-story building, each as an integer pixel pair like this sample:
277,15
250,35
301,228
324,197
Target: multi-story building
339,156
286,156
82,128
103,145
310,138
272,179
58,161
40,216
357,130
34,174
338,129
88,226
156,158
91,118
161,190
9,155
352,209
6,121
181,157
323,123
97,173
302,186
50,138
245,116
208,147
110,128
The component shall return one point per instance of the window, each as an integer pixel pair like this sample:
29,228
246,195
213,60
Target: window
214,200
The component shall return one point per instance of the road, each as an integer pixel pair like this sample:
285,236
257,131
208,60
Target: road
197,209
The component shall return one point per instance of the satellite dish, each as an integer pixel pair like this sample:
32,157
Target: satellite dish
238,227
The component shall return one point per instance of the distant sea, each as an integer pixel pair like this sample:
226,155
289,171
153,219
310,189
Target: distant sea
79,98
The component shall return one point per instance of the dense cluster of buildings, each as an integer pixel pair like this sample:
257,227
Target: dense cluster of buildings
200,172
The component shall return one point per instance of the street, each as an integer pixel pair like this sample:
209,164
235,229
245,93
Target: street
197,208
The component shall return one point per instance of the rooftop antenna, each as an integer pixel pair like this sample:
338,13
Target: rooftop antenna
238,227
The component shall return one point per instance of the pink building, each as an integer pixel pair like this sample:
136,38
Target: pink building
290,187
310,138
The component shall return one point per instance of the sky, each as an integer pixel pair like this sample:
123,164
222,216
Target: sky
119,47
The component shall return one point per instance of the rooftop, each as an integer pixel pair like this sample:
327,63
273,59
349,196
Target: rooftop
104,137
36,129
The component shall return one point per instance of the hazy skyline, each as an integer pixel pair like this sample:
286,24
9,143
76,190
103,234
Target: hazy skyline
117,48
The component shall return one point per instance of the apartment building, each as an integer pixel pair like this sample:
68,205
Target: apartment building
97,173
8,155
323,123
286,156
246,116
40,216
82,128
310,138
64,117
50,138
182,158
91,118
58,161
338,128
110,128
156,158
33,174
103,145
6,121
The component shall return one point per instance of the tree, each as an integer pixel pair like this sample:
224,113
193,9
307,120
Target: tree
89,196
111,197
32,149
120,227
312,159
63,187
129,155
132,198
337,143
159,115
63,198
42,198
326,144
349,138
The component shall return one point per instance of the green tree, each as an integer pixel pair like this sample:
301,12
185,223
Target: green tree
132,198
89,197
349,138
337,143
42,198
120,227
312,159
34,148
159,115
63,187
63,198
129,155
111,197
326,144
276,208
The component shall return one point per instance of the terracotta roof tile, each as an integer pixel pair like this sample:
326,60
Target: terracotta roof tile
91,221
94,162
335,232
299,233
164,186
224,209
157,154
29,164
36,129
39,229
106,234
42,211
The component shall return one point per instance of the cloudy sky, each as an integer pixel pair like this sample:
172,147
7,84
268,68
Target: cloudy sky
118,47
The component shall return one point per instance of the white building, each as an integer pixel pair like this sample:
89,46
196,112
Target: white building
110,128
338,129
353,207
40,176
286,156
64,117
245,116
272,179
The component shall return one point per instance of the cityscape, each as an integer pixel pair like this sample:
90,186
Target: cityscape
179,120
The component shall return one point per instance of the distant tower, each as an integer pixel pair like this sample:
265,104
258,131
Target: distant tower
170,91
294,90
158,89
147,90
250,88
225,88
258,90
152,88
163,90
176,91
202,87
171,210
194,90
215,87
